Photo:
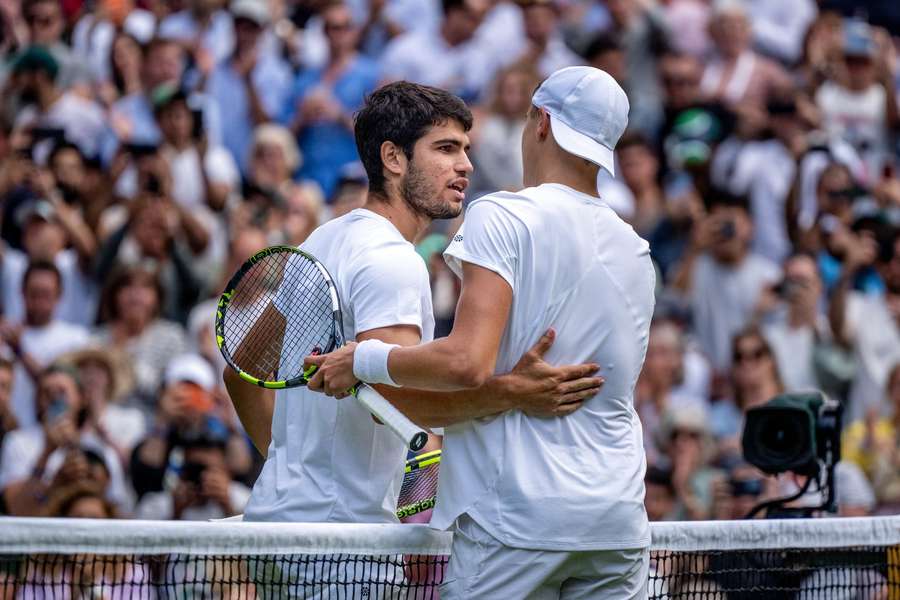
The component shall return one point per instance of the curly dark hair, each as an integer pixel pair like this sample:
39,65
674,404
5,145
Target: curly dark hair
401,113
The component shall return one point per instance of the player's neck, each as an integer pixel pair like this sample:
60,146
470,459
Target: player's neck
580,180
409,223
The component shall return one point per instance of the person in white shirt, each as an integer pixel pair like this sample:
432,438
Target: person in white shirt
540,507
40,338
330,461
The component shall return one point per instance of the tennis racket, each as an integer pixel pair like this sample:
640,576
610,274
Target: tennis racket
280,307
419,484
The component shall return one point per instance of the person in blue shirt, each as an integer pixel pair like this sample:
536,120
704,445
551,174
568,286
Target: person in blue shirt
320,109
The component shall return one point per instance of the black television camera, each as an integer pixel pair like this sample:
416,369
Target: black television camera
800,433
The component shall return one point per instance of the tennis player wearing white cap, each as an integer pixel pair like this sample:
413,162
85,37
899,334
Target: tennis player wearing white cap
540,508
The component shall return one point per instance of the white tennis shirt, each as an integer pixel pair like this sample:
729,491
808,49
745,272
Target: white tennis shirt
576,482
328,460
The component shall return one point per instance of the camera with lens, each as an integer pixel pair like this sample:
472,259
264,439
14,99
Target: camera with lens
798,433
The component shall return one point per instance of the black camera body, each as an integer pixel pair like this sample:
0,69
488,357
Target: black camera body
793,432
799,433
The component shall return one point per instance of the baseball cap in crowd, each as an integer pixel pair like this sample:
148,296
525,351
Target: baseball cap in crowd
191,368
252,10
588,112
858,40
35,58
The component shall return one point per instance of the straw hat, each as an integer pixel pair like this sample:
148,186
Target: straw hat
120,372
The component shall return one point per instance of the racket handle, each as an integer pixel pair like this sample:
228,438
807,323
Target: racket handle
414,436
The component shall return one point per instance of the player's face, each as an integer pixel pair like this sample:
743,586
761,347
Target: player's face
438,174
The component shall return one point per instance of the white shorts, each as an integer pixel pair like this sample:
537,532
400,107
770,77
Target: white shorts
482,567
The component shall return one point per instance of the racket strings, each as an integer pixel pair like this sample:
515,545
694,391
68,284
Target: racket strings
274,350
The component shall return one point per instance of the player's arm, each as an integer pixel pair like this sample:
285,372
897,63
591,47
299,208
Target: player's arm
254,405
463,360
533,386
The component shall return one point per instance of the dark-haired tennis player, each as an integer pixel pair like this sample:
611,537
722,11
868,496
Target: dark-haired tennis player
330,461
541,507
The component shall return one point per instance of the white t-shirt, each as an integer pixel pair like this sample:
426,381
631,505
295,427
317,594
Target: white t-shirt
876,345
44,344
860,119
723,299
328,460
577,482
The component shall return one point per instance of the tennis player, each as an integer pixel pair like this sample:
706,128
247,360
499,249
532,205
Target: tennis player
330,461
540,508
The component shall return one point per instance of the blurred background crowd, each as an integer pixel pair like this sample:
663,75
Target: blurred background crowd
148,147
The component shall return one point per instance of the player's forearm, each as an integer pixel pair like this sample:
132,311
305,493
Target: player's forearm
445,365
439,409
254,406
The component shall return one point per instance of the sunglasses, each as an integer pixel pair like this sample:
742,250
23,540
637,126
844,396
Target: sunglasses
755,354
345,26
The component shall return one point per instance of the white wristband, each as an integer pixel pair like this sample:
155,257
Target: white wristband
370,362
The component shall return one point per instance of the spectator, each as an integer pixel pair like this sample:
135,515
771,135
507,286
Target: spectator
46,27
132,325
859,104
869,324
352,187
686,441
661,501
250,87
722,279
451,59
63,447
8,420
872,443
801,326
320,108
95,36
737,75
124,64
779,32
639,169
497,152
545,51
606,52
40,338
754,381
50,106
205,31
79,501
106,382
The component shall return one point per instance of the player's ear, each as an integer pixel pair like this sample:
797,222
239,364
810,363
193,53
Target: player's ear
543,124
393,158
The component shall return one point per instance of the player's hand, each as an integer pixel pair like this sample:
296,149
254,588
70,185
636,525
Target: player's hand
334,376
543,390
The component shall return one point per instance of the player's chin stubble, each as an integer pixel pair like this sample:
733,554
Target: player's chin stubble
421,196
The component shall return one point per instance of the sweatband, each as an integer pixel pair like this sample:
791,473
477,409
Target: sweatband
370,362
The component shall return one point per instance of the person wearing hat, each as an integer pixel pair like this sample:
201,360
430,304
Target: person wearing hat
860,107
49,105
540,506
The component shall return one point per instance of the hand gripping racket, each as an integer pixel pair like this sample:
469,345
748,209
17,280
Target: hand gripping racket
280,307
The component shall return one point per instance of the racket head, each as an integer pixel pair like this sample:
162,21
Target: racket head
280,306
419,488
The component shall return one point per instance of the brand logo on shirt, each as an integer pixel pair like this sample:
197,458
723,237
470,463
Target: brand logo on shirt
458,237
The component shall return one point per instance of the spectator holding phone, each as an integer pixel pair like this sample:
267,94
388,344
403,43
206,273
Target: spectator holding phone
54,450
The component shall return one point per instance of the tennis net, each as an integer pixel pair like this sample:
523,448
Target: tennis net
61,558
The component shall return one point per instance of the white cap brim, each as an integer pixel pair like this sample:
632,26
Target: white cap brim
581,145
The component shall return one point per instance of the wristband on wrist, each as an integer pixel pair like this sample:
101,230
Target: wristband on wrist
370,362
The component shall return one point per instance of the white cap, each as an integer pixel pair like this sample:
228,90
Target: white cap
588,112
254,10
192,368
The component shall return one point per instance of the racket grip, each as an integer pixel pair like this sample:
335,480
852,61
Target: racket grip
414,436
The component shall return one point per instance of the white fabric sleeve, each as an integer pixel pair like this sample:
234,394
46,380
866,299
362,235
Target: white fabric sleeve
490,238
387,287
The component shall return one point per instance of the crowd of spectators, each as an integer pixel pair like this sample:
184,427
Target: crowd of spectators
147,147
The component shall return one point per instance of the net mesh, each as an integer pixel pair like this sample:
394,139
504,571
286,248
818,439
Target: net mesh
56,558
271,345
